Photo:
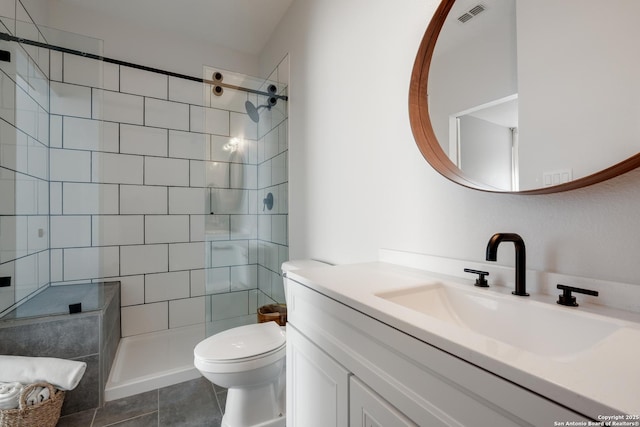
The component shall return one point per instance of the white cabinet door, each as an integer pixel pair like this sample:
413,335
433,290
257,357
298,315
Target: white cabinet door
368,409
317,386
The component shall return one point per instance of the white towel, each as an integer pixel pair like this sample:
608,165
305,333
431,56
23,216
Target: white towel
62,374
43,395
32,397
10,395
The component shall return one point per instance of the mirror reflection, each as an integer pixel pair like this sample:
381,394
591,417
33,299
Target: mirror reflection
525,95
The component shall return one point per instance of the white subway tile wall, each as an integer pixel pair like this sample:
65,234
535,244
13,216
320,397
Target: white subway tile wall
166,114
70,165
143,318
186,91
167,286
86,134
117,107
143,140
189,145
144,83
165,171
116,168
92,199
187,256
81,263
117,230
139,259
159,185
80,71
186,311
131,290
197,285
167,229
138,199
70,231
70,100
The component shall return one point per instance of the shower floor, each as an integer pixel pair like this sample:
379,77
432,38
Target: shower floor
154,360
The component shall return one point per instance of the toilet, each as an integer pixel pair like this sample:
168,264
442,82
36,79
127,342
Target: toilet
250,362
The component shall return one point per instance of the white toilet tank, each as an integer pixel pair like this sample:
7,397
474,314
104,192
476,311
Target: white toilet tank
299,264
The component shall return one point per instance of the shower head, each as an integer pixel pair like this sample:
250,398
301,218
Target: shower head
252,110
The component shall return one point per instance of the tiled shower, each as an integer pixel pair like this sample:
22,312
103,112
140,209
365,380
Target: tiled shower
157,188
124,174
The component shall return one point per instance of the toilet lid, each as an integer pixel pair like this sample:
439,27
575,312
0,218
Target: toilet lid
241,342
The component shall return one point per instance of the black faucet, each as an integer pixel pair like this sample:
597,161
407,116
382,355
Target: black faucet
521,258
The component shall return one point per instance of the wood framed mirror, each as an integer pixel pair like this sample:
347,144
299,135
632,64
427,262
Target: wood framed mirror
513,96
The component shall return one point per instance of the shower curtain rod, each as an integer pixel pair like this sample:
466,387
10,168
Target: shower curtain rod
12,38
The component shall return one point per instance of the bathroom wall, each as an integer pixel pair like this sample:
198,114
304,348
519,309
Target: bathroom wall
24,146
358,183
607,112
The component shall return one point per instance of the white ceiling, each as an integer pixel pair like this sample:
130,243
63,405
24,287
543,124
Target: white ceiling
242,25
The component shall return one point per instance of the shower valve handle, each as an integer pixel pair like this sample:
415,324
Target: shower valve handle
268,202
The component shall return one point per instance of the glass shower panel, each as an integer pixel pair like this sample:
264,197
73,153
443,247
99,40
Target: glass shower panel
24,165
273,150
83,139
234,201
27,135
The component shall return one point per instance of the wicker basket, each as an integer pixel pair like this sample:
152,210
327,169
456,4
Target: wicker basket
273,312
44,414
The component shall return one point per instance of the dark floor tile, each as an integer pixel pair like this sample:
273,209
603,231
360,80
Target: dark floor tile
126,408
189,404
222,400
147,420
218,388
79,419
221,395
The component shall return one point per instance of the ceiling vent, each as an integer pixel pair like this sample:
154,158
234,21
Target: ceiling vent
465,17
474,11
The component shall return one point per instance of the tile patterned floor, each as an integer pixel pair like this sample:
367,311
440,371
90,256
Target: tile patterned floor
195,403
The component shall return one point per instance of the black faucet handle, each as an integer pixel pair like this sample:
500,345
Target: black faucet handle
567,299
481,282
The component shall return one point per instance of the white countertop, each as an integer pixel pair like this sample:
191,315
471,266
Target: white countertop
602,381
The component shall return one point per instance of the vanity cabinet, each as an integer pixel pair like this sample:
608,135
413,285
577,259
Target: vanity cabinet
345,367
323,393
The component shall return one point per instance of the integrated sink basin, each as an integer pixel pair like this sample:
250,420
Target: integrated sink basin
536,327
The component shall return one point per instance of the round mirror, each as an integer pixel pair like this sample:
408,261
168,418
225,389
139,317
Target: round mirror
531,97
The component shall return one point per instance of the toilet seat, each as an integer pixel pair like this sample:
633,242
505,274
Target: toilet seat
240,365
241,349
